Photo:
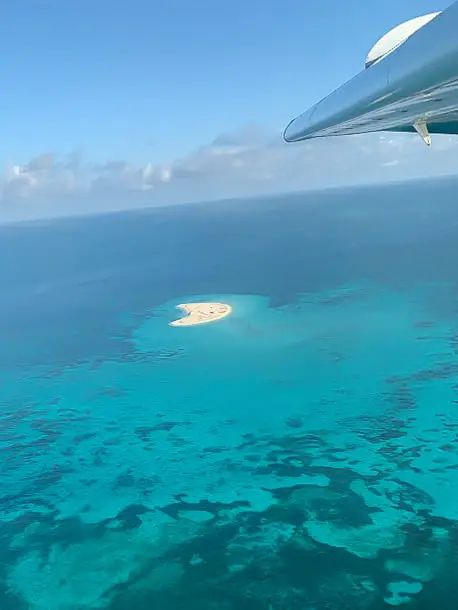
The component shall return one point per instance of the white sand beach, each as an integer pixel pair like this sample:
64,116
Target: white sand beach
201,313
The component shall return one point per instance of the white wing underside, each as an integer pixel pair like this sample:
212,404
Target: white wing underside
410,83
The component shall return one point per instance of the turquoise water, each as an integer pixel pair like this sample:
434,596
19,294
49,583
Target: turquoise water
299,454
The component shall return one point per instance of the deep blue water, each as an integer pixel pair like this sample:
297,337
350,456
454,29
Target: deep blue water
300,454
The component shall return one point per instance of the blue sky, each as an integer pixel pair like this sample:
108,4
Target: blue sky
147,82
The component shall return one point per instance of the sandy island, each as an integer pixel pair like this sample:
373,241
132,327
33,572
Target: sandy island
201,313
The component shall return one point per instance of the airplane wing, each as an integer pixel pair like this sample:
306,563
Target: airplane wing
409,84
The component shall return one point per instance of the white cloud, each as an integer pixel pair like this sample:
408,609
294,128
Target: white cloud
243,163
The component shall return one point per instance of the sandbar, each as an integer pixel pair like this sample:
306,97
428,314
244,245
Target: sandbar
201,313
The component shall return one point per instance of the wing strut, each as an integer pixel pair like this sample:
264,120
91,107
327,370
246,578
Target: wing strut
421,128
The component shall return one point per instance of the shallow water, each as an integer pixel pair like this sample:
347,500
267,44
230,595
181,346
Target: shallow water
300,453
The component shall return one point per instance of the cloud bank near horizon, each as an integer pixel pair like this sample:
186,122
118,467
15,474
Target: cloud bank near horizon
244,163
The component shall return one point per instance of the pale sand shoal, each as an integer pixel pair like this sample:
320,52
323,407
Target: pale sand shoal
201,313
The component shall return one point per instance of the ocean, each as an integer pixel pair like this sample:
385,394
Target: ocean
300,454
